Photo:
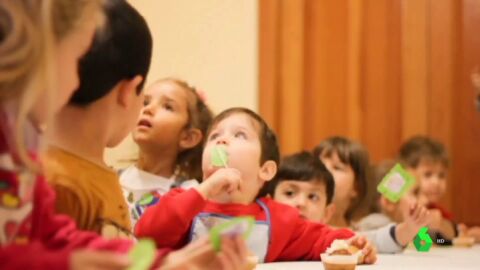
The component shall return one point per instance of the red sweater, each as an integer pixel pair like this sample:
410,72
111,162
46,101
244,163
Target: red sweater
292,238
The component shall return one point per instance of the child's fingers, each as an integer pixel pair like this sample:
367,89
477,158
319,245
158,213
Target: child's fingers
224,262
230,251
462,229
367,248
371,256
201,242
240,247
358,241
106,260
423,216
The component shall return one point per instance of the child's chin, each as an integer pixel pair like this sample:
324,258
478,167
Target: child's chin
224,198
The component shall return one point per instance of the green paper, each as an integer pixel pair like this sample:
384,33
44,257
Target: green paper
142,255
146,199
396,183
219,156
236,226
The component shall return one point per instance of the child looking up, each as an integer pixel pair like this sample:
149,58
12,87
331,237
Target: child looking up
232,190
170,133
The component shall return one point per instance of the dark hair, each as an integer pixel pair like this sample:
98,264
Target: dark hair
303,167
418,148
354,155
189,161
268,140
121,50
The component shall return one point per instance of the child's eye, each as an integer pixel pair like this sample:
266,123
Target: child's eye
337,168
428,174
289,193
313,197
146,101
168,107
213,136
240,134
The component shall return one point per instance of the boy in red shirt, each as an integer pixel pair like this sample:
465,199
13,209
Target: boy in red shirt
232,189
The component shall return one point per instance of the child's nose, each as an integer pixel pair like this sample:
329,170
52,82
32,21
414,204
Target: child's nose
147,110
300,201
221,141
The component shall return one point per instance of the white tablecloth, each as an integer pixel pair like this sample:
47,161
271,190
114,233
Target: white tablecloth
437,258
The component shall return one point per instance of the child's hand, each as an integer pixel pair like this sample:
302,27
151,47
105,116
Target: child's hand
224,180
369,251
437,223
201,255
418,216
474,232
92,260
435,219
416,219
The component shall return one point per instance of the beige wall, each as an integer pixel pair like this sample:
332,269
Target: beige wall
210,43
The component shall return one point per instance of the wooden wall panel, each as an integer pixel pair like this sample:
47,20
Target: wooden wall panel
378,71
326,70
414,67
381,88
465,150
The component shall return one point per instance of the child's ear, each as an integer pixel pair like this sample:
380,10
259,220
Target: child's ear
329,211
127,90
268,170
189,138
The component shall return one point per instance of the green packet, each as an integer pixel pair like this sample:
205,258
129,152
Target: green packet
237,226
142,255
396,183
219,156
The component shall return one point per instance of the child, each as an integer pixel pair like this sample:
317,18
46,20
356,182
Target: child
428,161
100,114
231,190
303,182
170,133
51,36
348,163
38,44
404,218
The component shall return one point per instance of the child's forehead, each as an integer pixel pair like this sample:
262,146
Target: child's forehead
431,163
166,88
240,120
333,155
311,184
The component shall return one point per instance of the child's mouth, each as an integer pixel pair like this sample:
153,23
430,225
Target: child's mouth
144,123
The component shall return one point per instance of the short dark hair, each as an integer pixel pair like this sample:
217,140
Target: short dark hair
268,140
303,167
121,49
418,148
354,155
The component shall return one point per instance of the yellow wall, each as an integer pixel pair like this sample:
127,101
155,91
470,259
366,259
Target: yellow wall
210,43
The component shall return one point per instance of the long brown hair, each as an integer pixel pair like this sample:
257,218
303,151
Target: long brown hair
189,161
28,33
354,155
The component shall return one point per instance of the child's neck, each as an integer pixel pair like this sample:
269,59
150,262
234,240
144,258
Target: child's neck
161,164
80,132
339,222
